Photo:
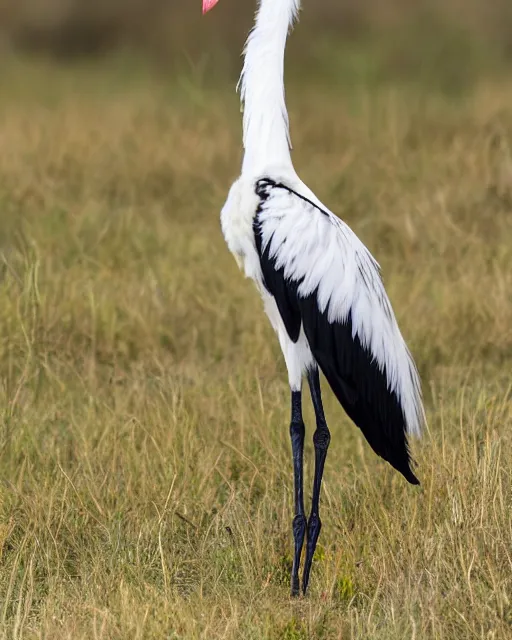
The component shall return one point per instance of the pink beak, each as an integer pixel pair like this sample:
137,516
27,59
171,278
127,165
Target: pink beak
208,4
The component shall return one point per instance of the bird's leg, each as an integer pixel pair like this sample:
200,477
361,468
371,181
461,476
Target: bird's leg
321,439
299,521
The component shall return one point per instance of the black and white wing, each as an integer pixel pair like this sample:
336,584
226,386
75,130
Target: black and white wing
326,281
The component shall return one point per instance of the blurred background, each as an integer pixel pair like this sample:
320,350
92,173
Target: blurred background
173,31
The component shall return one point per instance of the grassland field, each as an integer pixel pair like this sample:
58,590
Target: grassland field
145,464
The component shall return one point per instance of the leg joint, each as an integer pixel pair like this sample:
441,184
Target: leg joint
314,526
322,438
299,526
297,428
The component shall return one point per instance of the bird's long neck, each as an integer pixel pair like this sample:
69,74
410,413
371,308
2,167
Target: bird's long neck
265,121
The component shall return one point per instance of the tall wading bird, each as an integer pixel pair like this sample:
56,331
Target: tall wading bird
321,287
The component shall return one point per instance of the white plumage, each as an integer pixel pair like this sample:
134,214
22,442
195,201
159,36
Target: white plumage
321,287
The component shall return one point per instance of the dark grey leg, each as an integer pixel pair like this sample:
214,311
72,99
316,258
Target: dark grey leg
321,439
299,521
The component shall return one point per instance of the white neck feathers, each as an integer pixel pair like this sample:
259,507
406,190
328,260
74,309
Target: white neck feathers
265,121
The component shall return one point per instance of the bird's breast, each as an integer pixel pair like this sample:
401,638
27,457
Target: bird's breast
237,217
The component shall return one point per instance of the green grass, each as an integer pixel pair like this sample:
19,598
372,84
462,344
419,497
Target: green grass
146,481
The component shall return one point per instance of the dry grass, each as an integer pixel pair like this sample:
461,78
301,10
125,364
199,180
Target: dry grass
144,454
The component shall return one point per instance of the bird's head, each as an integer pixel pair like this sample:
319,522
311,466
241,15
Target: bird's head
208,4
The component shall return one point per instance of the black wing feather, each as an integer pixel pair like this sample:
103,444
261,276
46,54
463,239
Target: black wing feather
358,383
350,369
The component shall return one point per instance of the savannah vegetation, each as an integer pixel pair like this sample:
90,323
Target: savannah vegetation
145,464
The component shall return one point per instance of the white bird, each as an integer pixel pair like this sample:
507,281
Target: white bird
321,287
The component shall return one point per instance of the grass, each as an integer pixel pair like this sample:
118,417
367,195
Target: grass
146,483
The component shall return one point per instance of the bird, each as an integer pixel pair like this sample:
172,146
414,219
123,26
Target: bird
322,289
